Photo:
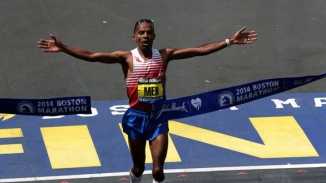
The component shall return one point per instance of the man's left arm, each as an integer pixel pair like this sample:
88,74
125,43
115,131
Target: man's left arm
239,37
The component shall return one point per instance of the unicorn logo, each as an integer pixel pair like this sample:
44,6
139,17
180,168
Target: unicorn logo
25,107
225,98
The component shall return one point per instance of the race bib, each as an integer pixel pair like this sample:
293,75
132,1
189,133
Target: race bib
150,90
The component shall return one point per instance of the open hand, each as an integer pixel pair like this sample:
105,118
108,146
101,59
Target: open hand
241,37
54,45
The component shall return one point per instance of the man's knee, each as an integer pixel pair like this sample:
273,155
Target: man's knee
157,171
138,170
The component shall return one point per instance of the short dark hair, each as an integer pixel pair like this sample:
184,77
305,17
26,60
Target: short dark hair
150,22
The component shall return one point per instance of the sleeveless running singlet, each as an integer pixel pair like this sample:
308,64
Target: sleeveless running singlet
146,84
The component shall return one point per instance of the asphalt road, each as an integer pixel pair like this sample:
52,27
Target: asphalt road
290,43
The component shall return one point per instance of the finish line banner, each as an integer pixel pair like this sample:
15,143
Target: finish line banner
228,97
47,107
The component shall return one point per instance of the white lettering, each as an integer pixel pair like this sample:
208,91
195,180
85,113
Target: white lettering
55,110
279,103
261,86
167,108
119,109
60,110
40,110
318,102
254,94
71,102
94,113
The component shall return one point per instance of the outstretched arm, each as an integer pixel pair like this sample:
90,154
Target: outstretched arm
239,37
56,45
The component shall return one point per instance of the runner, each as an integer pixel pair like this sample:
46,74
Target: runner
144,72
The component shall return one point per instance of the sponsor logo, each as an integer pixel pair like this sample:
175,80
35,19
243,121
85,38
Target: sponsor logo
196,103
225,98
25,107
137,59
149,80
170,108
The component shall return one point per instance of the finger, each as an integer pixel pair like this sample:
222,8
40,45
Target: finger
52,36
252,39
249,41
242,29
43,46
41,41
252,35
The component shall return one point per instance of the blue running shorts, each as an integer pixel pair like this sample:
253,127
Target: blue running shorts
138,125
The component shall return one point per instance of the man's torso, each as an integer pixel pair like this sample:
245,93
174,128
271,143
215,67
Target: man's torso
145,80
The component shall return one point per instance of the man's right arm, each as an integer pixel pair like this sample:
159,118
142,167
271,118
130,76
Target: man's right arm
56,45
108,58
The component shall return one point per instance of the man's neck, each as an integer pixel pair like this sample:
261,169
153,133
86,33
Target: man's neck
145,54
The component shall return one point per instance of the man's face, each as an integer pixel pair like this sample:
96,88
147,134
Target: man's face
144,36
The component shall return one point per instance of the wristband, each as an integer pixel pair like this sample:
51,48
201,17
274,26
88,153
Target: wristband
228,42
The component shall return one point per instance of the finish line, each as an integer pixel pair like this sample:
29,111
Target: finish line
148,172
